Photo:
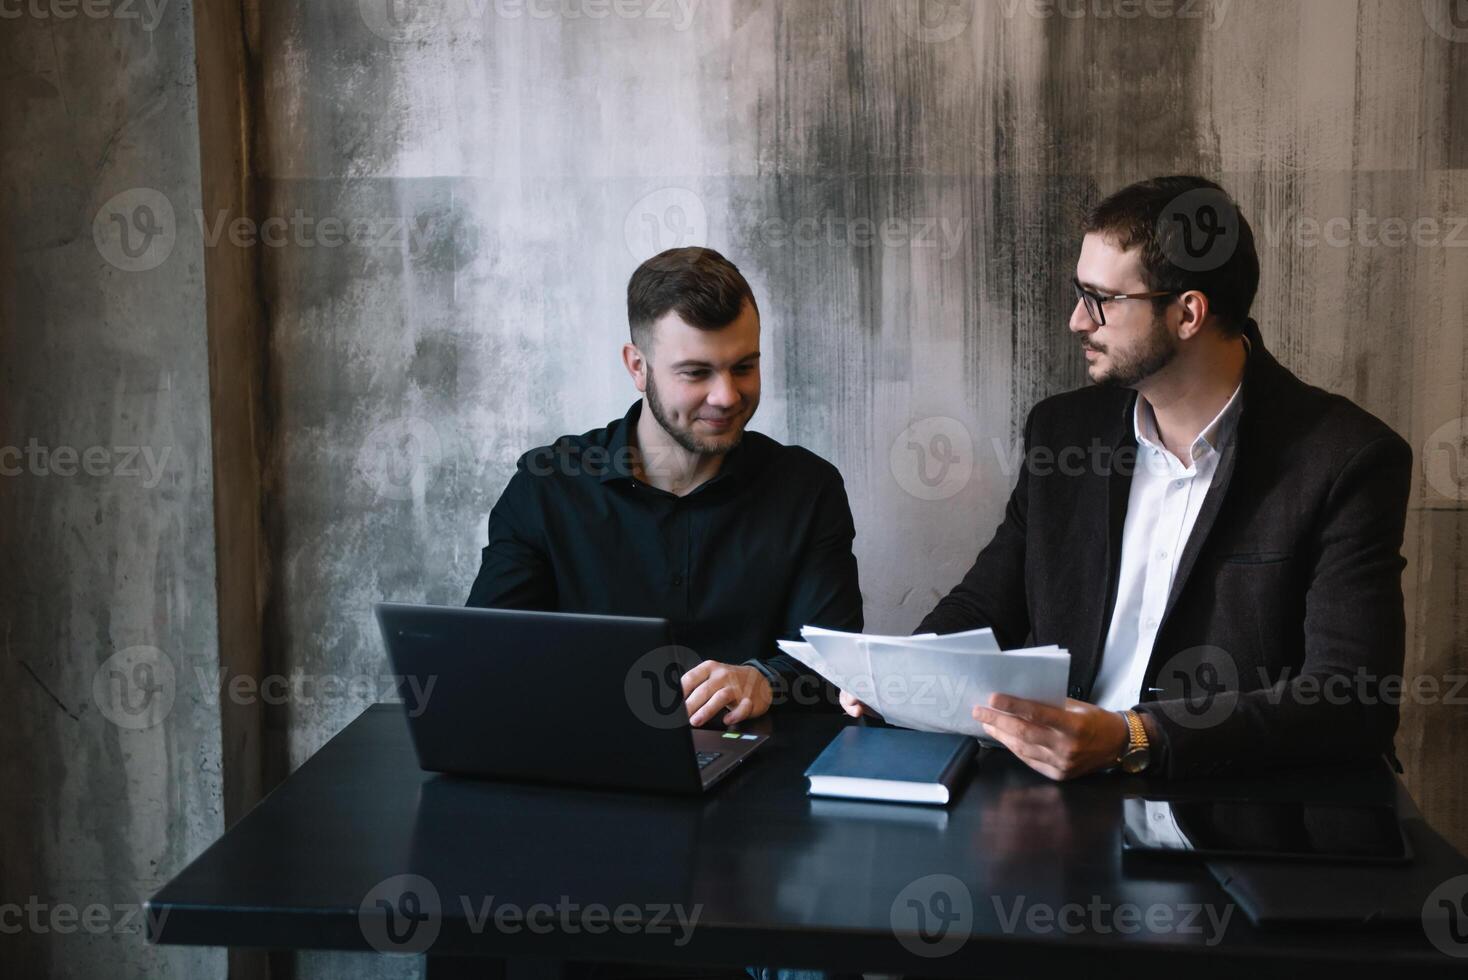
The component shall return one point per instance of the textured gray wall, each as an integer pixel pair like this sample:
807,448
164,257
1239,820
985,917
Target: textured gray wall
898,180
109,774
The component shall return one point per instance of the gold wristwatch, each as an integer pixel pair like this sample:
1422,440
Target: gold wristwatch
1136,755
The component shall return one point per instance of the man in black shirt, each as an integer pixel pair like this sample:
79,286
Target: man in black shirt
676,511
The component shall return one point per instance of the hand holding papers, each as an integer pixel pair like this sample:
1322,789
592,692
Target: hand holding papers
932,683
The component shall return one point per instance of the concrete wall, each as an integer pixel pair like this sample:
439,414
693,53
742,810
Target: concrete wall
898,180
110,769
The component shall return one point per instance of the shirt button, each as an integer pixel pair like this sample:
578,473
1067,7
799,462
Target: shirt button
1162,556
677,579
1178,484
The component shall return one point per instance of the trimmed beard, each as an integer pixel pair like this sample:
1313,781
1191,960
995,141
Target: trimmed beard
684,436
1157,350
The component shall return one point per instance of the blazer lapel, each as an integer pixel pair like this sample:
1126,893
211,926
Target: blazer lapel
1254,397
1118,492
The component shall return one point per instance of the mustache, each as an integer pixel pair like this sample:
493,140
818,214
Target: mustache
1094,347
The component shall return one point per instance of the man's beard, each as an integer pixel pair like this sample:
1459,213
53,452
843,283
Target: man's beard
685,436
1155,351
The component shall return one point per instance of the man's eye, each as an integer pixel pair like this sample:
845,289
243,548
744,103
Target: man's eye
694,375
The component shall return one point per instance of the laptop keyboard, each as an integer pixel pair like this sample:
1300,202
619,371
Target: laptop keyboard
704,758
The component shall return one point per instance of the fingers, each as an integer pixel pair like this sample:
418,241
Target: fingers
1037,757
1032,711
697,675
851,705
710,708
1018,728
740,711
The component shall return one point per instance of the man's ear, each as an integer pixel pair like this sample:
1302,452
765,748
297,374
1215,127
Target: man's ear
635,364
1195,312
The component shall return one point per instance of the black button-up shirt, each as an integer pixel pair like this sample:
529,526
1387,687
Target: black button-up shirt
748,557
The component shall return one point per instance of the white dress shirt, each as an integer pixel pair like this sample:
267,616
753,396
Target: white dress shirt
1161,509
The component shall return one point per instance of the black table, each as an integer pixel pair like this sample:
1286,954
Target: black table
774,876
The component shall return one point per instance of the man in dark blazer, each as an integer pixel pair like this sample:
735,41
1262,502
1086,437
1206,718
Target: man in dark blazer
1217,543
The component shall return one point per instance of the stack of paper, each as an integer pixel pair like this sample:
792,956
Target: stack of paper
928,682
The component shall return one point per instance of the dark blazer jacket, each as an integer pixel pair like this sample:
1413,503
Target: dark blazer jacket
1286,614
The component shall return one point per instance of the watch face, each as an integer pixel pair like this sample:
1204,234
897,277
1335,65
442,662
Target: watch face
1136,760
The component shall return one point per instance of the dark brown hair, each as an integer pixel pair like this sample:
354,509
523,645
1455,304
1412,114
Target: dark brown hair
705,289
1160,216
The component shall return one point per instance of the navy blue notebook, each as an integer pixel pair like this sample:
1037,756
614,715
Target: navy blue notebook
891,764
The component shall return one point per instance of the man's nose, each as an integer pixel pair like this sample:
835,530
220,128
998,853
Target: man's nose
1080,320
723,393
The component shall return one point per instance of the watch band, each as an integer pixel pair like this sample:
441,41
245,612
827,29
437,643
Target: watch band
1136,736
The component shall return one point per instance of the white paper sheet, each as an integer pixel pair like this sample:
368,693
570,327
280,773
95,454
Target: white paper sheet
932,683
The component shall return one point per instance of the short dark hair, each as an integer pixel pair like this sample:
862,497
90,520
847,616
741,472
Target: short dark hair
705,289
1159,216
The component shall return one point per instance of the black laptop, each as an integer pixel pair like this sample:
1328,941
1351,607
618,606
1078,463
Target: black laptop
553,697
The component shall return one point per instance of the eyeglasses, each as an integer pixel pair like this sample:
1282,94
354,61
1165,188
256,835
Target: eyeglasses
1094,300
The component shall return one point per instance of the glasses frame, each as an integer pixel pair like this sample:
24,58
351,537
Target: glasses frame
1093,301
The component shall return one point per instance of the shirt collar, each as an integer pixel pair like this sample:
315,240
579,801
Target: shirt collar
1211,439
